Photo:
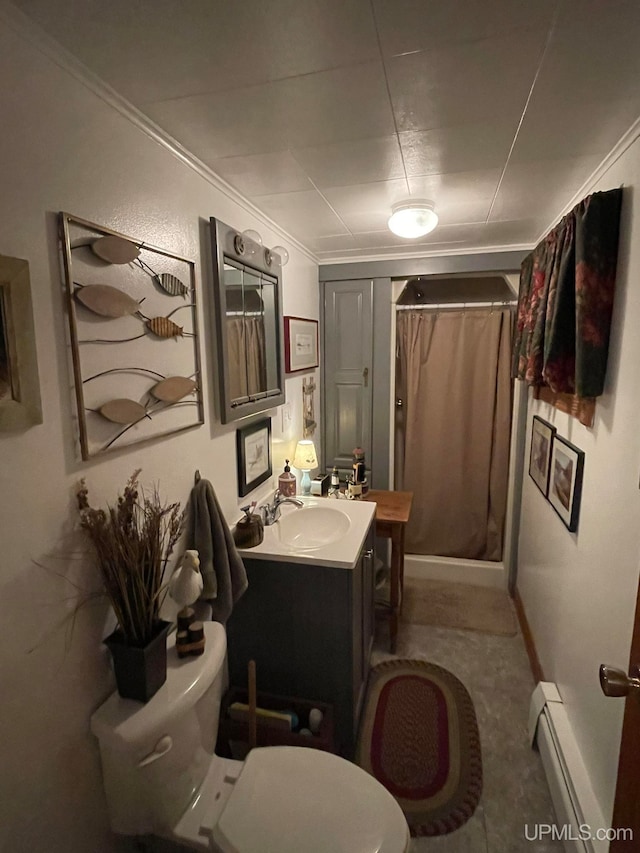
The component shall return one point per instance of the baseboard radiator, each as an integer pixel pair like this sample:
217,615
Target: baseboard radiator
578,814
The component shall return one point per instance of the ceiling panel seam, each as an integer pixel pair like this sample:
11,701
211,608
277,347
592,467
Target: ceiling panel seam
244,86
321,194
552,28
388,88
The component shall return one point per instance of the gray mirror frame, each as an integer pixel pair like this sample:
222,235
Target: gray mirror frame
24,408
228,242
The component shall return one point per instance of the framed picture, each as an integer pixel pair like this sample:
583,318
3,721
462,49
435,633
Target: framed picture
542,435
20,405
565,487
254,455
300,344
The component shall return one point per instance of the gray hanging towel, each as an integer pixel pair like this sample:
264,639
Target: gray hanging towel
223,572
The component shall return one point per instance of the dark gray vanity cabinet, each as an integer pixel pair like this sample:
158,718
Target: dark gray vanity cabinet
309,629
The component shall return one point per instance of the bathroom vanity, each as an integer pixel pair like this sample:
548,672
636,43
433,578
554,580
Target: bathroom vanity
307,618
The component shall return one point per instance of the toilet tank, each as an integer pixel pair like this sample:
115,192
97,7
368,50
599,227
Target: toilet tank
155,755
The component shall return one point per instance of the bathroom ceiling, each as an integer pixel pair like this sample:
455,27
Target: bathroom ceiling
324,112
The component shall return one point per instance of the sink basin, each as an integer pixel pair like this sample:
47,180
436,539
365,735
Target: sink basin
322,532
312,527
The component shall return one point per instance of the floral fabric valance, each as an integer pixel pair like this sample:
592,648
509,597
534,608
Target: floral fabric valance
566,300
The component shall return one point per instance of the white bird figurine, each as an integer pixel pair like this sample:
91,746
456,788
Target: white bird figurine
186,584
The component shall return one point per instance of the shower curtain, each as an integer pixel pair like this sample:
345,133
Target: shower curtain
453,430
247,357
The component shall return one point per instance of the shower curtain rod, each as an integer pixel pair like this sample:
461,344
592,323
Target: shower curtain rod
464,305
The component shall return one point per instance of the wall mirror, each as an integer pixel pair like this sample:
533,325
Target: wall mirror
247,289
19,386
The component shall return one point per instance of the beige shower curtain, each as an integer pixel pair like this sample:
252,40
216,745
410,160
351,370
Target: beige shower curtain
247,356
453,429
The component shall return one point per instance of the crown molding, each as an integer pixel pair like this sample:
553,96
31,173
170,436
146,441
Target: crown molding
39,39
621,147
455,264
446,253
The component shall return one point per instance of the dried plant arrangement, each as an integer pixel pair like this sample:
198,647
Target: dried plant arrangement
133,541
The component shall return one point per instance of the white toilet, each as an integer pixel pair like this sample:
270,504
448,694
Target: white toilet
162,778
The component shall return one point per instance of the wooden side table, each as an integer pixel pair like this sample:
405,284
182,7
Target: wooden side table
392,514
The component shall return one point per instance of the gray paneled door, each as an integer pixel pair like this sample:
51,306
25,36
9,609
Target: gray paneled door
348,378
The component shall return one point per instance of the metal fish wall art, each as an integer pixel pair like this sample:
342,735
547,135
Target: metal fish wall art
173,388
105,300
165,328
123,411
171,284
161,327
136,360
115,250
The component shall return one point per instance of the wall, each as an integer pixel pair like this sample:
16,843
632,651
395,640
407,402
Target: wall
579,590
64,148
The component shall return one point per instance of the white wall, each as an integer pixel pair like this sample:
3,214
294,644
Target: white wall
64,148
579,590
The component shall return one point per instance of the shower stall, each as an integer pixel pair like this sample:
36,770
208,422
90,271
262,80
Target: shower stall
416,371
452,425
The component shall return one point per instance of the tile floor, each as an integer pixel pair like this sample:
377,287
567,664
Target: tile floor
495,671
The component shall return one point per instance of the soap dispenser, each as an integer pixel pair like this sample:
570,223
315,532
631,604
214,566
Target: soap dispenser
287,482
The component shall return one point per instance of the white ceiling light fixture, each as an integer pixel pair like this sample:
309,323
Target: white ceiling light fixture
413,217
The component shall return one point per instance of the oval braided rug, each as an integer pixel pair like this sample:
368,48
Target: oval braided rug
419,738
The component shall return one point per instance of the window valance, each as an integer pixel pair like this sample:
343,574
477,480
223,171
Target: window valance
566,300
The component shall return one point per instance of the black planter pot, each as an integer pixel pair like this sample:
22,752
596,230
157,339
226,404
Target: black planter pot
140,670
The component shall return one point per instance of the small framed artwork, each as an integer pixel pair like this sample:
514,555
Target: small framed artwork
254,455
565,486
542,435
300,344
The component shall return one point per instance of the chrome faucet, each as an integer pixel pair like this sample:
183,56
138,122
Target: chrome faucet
270,513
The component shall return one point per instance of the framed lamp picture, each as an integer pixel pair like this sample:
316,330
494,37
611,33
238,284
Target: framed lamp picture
253,444
542,435
300,344
565,486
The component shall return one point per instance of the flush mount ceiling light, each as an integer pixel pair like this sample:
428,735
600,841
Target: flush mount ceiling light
413,218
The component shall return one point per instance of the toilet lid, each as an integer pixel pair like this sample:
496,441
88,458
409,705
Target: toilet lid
289,799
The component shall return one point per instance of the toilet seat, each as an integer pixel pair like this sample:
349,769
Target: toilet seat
290,799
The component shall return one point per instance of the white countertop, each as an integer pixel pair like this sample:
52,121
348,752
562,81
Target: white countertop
341,554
